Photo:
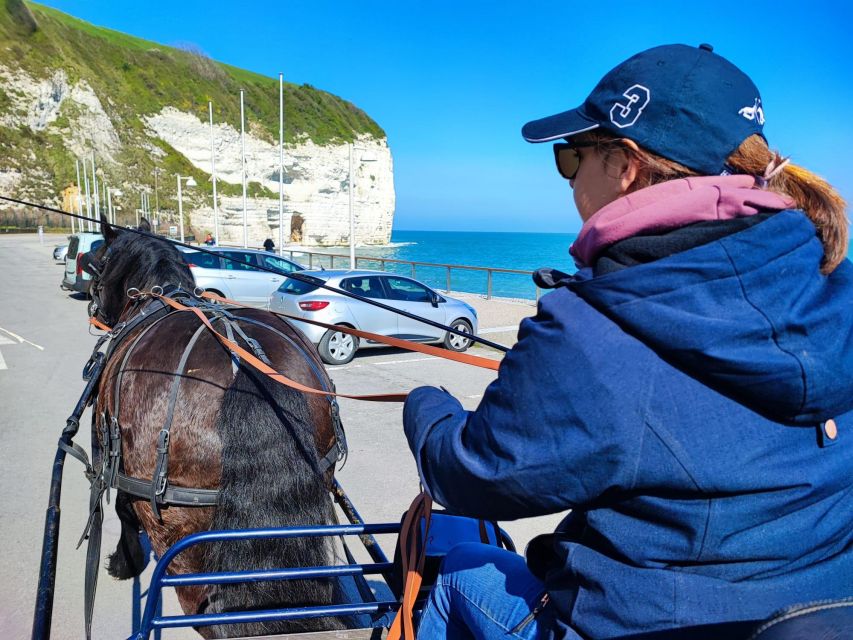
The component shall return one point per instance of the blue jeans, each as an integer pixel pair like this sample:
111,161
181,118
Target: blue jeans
481,592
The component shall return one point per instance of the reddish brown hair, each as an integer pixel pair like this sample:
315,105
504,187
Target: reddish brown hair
815,196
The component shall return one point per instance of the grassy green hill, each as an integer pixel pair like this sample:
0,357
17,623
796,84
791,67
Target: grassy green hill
135,78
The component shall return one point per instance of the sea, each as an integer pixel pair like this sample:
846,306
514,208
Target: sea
509,250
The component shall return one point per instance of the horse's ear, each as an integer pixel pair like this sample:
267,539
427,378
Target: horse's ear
144,225
107,230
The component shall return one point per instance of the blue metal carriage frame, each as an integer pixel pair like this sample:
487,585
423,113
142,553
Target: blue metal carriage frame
152,619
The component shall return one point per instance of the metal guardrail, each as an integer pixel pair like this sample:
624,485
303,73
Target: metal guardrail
328,260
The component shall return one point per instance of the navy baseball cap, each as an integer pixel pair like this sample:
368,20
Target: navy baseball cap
684,103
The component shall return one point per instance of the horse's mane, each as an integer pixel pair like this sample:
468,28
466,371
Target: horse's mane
144,262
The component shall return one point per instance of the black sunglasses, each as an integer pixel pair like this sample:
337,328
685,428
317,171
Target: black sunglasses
568,159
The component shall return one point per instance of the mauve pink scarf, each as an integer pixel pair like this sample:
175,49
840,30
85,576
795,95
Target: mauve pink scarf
670,205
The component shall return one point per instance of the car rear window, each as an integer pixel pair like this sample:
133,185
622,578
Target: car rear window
279,263
297,287
199,259
72,246
239,261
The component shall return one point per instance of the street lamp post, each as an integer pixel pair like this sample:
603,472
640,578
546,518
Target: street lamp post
190,183
364,158
156,200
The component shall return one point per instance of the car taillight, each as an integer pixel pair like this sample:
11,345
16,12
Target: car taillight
191,265
313,305
79,264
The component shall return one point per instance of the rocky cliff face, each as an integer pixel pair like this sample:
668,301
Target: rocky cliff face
316,187
70,90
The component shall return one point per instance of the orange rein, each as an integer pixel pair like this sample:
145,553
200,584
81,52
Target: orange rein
477,361
261,366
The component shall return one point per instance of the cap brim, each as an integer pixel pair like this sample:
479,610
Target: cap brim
562,125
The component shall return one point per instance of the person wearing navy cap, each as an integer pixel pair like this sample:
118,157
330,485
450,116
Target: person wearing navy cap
686,396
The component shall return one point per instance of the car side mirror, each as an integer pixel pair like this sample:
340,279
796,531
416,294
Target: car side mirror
433,298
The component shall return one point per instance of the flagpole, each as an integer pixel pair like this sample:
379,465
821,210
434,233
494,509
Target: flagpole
243,156
213,175
79,197
280,163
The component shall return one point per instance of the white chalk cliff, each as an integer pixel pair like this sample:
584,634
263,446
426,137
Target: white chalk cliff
316,196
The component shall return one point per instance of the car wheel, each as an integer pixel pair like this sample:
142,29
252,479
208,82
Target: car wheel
455,342
337,347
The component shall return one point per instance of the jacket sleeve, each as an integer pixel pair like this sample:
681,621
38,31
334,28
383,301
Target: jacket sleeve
560,425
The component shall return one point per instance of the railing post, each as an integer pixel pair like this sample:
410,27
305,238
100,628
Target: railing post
489,284
382,265
355,265
413,269
448,280
310,260
332,261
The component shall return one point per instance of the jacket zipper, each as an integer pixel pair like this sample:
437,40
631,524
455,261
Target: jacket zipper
532,615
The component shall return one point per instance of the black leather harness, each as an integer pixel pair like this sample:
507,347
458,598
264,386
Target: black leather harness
105,472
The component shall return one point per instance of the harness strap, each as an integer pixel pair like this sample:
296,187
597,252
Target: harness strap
303,349
253,344
93,561
161,468
173,494
78,452
272,373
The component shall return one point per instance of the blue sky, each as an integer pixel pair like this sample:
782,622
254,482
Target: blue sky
453,82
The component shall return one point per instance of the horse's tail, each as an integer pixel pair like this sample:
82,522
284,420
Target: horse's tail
270,478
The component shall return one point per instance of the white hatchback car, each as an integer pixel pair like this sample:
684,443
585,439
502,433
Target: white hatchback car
306,300
238,278
74,278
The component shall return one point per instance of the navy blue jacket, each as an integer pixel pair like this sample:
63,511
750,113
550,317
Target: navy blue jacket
678,409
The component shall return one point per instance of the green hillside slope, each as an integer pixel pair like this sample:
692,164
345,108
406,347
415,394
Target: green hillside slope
135,78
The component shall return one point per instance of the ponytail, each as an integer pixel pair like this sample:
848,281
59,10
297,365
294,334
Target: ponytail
811,193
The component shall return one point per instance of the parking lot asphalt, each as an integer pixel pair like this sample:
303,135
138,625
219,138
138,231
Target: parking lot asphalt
44,342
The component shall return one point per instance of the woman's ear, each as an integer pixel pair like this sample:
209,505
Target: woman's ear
630,166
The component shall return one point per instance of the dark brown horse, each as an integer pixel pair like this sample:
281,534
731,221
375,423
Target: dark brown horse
231,428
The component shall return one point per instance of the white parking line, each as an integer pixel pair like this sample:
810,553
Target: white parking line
510,327
20,339
404,361
2,362
383,362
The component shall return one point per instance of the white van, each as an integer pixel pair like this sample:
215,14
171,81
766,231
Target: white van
75,279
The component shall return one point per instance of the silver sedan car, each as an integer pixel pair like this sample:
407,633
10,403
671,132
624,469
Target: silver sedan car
238,278
308,300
